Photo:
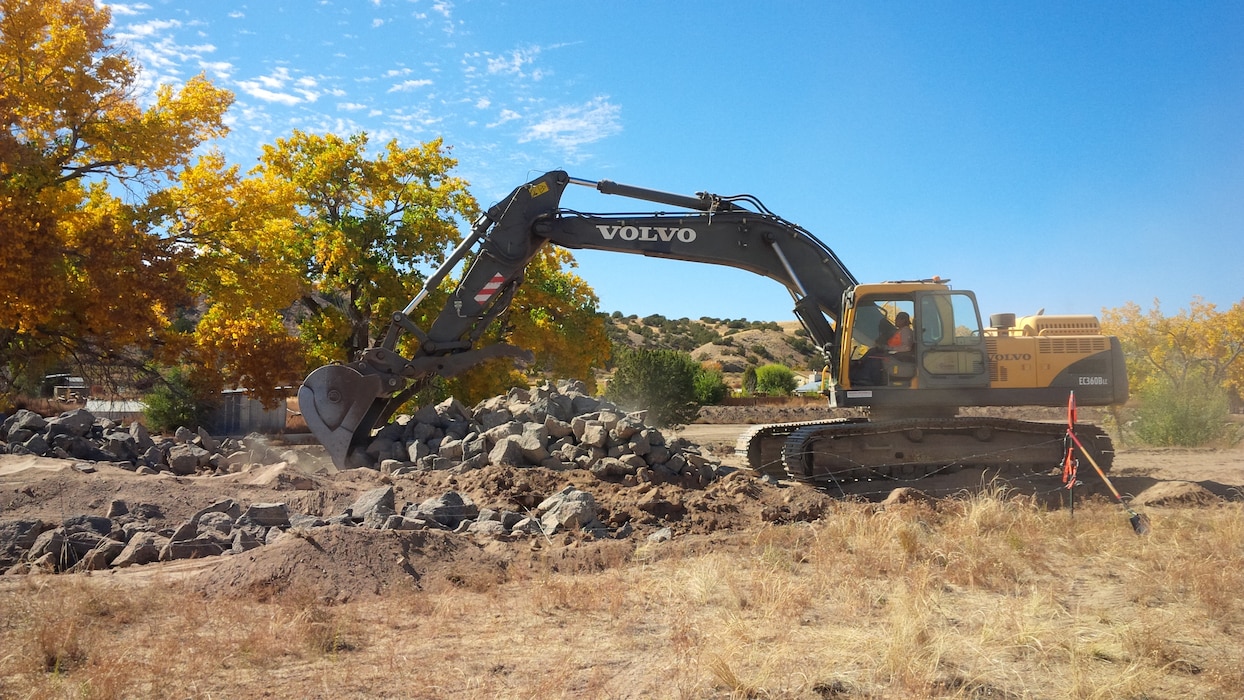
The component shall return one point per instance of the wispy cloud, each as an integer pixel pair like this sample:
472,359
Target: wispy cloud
221,69
147,29
126,10
515,63
408,85
572,126
273,88
507,115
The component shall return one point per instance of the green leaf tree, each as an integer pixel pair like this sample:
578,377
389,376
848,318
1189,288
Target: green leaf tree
710,384
366,224
775,380
661,382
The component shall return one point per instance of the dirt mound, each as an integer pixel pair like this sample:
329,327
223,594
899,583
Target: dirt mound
342,563
1175,493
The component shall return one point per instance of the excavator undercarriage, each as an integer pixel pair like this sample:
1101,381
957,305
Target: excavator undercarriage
851,449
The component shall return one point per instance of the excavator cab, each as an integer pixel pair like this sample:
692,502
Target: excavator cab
944,351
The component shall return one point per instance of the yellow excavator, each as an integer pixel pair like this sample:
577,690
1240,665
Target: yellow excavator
913,353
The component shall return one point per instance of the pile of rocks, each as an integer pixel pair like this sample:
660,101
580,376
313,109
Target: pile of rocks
128,536
79,435
557,427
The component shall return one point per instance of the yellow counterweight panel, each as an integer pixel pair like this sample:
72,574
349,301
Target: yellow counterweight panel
1021,362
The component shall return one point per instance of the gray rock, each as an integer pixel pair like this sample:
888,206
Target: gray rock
216,522
557,428
88,523
76,422
186,531
102,556
594,433
491,419
665,534
206,441
267,514
23,419
534,442
498,433
451,449
36,445
17,536
185,459
448,510
142,438
417,450
508,451
612,468
369,501
243,541
152,457
490,528
382,448
201,546
568,509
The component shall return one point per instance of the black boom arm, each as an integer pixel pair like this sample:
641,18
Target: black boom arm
343,402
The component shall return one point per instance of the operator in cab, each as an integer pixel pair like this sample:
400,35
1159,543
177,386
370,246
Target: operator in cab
903,340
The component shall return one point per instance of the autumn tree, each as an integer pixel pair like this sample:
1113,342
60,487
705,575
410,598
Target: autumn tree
366,226
85,274
1185,367
554,314
245,272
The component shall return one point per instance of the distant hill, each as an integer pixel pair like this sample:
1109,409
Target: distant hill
735,344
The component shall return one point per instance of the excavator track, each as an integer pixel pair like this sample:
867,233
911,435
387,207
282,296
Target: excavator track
761,446
824,452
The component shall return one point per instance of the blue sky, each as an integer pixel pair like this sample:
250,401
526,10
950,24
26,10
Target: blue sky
1065,155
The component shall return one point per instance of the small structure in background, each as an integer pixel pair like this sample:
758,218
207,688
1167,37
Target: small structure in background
238,414
122,411
66,388
813,386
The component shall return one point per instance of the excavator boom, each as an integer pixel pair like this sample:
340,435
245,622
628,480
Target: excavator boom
342,404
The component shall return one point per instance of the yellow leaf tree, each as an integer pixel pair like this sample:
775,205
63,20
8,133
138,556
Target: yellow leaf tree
1199,343
366,225
555,315
242,266
84,275
1186,370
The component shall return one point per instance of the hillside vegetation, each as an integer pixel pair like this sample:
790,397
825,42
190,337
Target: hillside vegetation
734,344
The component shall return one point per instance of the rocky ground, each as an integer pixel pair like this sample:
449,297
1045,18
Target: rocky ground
455,489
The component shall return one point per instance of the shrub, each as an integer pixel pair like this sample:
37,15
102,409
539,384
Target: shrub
710,386
775,380
660,381
177,402
749,381
1189,415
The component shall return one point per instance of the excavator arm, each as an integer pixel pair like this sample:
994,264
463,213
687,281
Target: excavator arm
343,403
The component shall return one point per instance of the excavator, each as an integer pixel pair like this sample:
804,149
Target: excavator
910,354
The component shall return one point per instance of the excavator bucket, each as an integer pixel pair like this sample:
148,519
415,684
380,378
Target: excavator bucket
340,404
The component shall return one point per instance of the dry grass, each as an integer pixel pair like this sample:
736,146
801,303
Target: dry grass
983,597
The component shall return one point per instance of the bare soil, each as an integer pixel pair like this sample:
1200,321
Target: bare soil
733,517
34,487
